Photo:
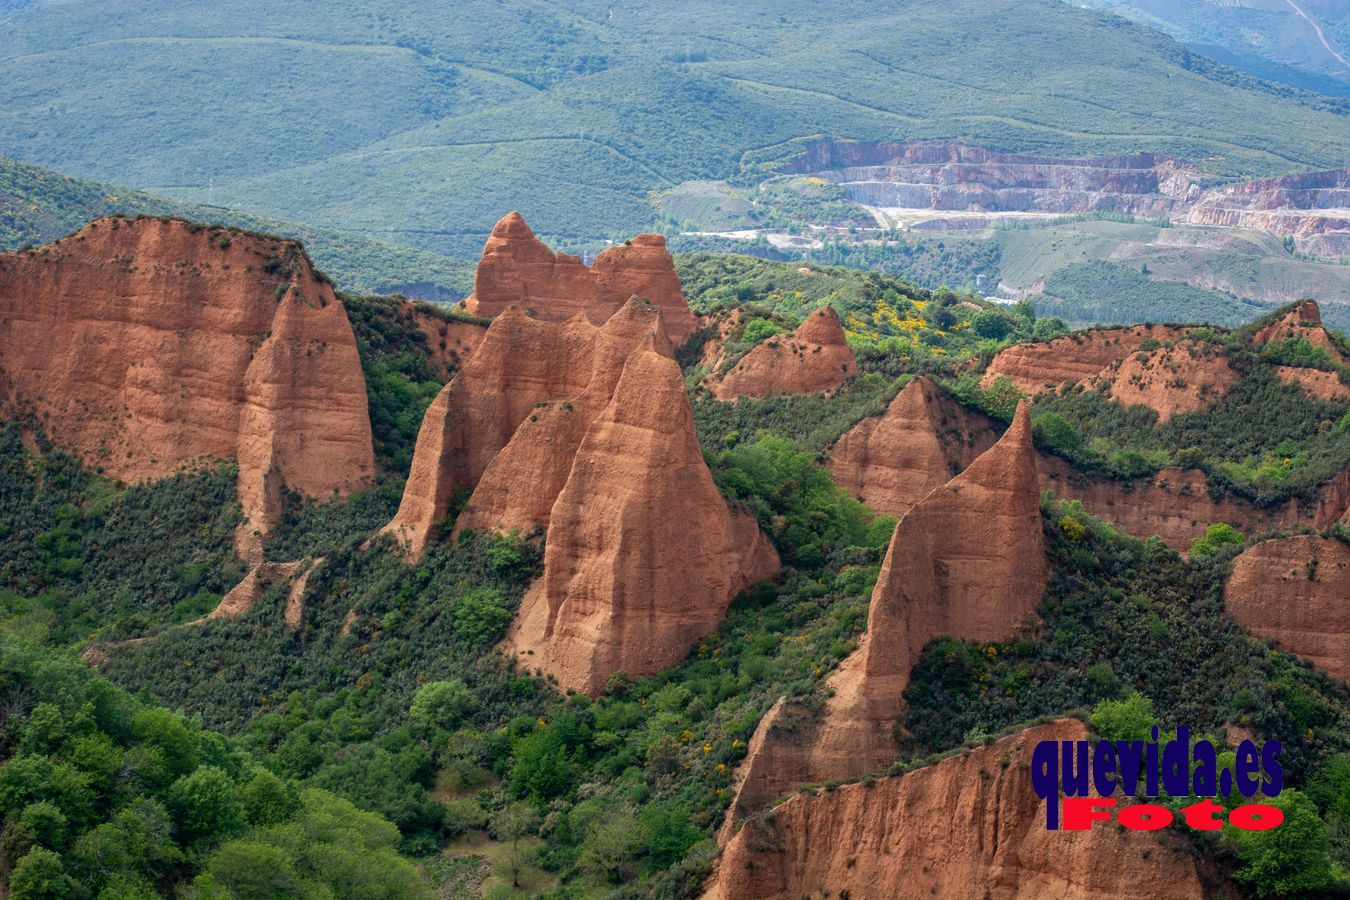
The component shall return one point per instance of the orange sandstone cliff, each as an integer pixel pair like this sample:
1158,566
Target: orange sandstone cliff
519,486
968,561
517,268
1184,376
521,362
144,345
968,826
642,554
1296,592
814,358
1045,365
921,441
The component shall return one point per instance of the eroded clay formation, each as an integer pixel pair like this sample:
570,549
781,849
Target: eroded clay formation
518,269
814,358
968,826
586,435
148,345
1296,592
920,442
968,561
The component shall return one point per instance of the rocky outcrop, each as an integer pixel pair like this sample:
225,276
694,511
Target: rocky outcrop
943,176
1310,207
1081,356
1296,592
146,345
518,269
1305,321
814,358
1184,376
521,363
240,598
628,584
519,486
968,826
924,438
1177,506
1316,383
450,342
968,562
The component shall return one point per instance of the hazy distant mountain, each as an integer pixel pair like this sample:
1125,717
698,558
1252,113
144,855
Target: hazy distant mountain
421,122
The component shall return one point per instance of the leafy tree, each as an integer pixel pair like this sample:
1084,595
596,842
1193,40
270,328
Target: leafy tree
758,329
1057,433
204,805
1130,719
40,876
266,799
1289,860
1217,539
481,617
438,706
512,824
330,849
990,323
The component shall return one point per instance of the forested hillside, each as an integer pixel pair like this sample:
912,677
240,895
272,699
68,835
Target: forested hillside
402,121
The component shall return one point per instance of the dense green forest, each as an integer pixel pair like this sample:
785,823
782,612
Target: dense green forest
421,124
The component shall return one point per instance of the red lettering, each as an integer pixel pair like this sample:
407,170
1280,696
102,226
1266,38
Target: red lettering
1145,817
1254,816
1081,812
1200,816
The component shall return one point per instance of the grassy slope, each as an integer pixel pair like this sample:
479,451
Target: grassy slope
421,122
38,205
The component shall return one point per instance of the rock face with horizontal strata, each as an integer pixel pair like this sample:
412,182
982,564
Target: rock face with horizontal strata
814,358
145,345
923,439
630,584
968,826
1296,592
518,269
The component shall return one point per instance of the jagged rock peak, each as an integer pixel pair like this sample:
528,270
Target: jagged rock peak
516,267
894,460
628,585
822,327
521,483
521,363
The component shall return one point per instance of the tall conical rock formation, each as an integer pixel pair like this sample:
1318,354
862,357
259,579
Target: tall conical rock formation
921,441
816,357
521,483
144,345
967,562
1305,321
1296,592
629,584
518,269
968,826
520,364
